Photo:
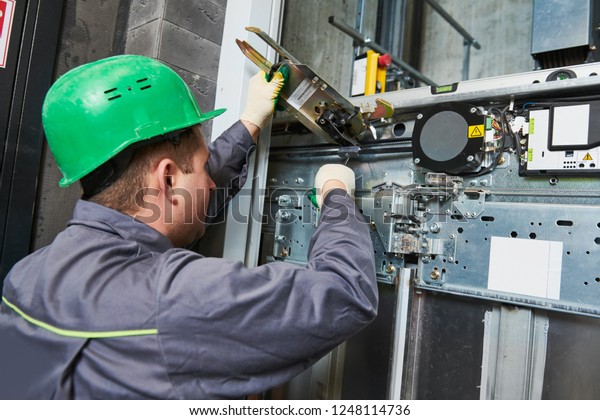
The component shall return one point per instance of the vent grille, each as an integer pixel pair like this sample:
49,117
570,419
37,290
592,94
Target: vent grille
113,93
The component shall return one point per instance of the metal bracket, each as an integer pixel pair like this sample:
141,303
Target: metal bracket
470,203
313,101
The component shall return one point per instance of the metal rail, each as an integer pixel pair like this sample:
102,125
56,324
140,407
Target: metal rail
363,41
469,40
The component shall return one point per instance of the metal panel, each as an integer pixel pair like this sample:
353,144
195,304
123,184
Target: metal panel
572,368
560,24
445,348
573,226
368,354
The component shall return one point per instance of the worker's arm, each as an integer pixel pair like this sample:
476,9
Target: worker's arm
229,153
227,330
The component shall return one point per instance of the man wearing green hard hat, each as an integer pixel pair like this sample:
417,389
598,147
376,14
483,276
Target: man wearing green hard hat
116,307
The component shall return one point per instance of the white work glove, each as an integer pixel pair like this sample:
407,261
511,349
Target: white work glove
261,98
333,172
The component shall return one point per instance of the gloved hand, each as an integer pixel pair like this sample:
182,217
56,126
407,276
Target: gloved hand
262,97
333,172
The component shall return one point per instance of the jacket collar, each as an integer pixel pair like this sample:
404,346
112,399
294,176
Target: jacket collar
95,216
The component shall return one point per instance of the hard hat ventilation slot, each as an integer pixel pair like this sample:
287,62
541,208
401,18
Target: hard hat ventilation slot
106,92
144,80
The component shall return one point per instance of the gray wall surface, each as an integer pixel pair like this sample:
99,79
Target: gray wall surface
307,34
185,34
90,31
502,28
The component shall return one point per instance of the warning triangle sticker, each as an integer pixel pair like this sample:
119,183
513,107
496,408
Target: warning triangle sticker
587,157
475,131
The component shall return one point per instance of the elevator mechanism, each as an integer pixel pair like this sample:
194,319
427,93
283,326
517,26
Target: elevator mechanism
450,183
482,199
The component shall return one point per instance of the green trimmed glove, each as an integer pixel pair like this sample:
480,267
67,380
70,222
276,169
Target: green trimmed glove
329,172
262,97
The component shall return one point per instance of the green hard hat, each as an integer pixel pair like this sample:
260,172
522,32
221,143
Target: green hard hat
94,111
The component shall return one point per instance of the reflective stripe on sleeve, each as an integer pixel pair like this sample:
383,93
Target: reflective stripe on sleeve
78,334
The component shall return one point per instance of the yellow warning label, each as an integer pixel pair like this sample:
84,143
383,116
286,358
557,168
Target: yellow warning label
476,131
529,155
587,157
531,125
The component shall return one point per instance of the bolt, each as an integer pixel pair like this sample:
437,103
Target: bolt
285,215
390,268
284,252
419,116
484,182
424,245
473,110
284,200
280,238
315,79
470,158
425,259
501,160
373,225
324,86
417,161
472,183
435,274
434,228
299,180
452,236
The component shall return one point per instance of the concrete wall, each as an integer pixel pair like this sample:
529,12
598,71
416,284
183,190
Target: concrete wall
186,34
307,34
90,31
502,28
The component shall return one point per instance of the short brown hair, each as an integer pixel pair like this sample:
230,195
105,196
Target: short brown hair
123,193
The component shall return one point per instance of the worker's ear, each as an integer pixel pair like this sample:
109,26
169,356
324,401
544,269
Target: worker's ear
165,177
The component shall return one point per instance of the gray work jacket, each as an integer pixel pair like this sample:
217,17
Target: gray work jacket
111,310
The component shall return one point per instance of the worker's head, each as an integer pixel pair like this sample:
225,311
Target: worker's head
111,123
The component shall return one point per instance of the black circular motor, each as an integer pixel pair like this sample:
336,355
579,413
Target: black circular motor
449,138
